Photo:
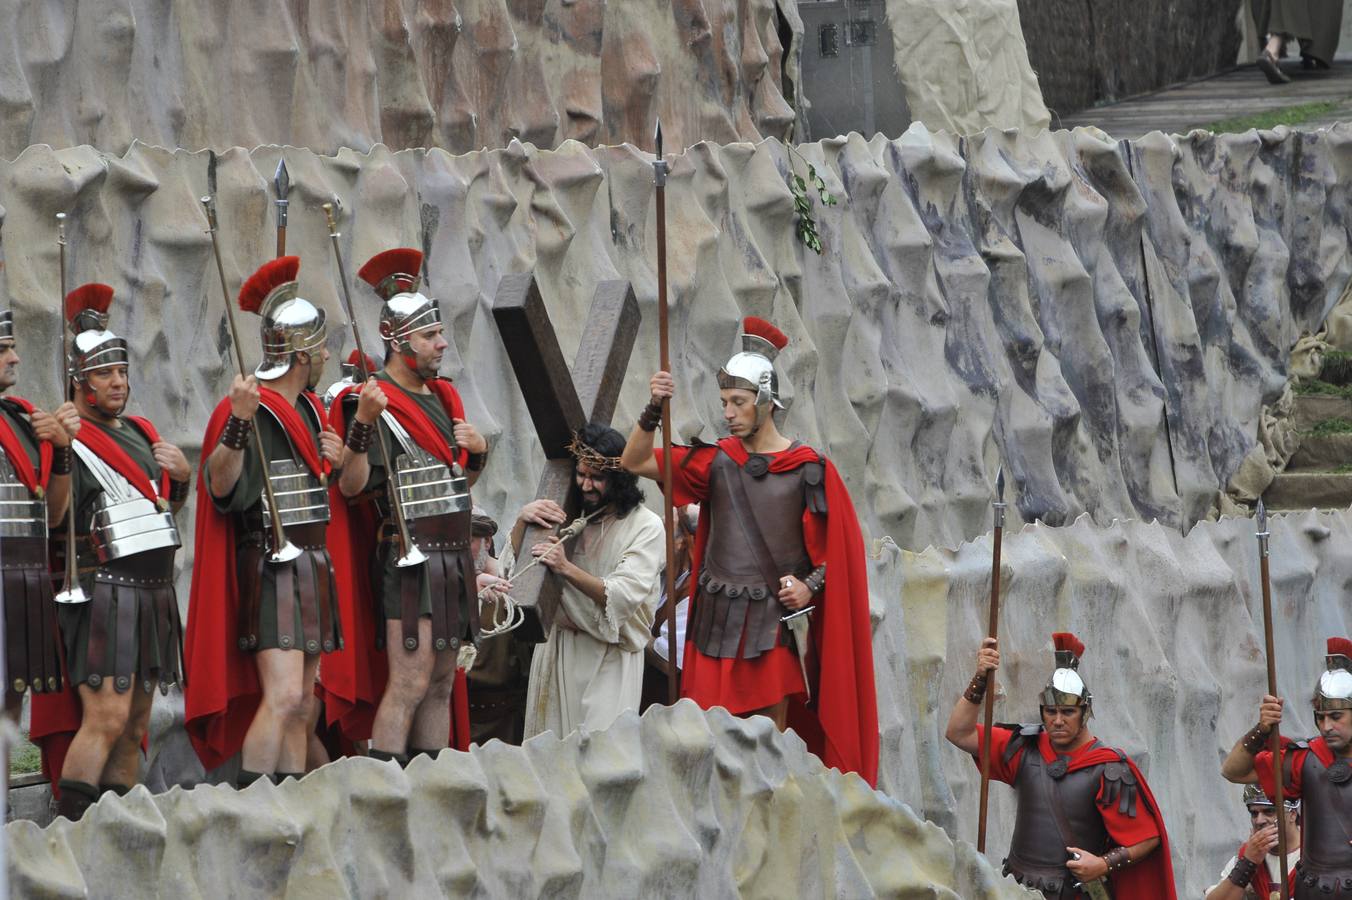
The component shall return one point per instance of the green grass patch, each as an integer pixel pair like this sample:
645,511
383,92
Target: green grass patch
1344,469
1321,388
25,759
1331,426
1287,115
1337,368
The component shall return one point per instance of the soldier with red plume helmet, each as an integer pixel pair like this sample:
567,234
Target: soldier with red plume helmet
35,463
1087,823
777,535
125,639
1318,772
415,522
261,615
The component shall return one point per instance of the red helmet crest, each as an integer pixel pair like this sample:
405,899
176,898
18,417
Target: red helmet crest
270,276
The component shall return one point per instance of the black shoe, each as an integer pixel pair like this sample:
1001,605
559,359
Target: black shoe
246,778
76,797
1268,64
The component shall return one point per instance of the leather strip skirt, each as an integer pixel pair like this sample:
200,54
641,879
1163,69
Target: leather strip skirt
441,589
293,605
32,638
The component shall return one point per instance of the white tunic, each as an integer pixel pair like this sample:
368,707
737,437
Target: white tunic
586,677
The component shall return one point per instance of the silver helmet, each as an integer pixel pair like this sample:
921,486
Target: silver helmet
6,325
291,324
1254,795
351,374
394,274
1066,687
1335,684
93,346
753,369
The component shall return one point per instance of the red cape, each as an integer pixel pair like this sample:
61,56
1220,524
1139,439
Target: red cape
222,692
55,717
1153,877
18,460
841,724
1262,882
352,680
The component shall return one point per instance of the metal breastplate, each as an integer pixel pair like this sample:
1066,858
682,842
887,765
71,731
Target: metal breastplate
1037,852
777,499
427,486
21,514
1327,808
124,522
301,497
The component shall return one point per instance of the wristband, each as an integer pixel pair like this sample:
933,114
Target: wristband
235,434
1243,871
474,462
359,436
816,579
651,416
976,689
62,457
178,491
1117,858
1255,740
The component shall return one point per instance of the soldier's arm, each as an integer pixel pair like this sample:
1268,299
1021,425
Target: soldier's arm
1086,866
226,464
1238,764
961,731
638,456
361,434
59,429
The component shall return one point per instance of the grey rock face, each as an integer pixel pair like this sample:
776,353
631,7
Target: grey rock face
405,73
676,804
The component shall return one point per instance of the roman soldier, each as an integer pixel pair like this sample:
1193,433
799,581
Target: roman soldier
1318,772
1253,873
1086,818
412,515
264,610
124,639
34,488
348,377
777,547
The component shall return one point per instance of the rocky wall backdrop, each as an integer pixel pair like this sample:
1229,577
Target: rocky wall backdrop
457,74
1104,319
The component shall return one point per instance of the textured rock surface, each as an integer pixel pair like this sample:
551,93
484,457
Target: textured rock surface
673,805
1174,628
406,73
1094,51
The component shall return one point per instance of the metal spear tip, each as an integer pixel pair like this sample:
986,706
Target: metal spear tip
281,180
211,172
657,138
1262,516
1000,484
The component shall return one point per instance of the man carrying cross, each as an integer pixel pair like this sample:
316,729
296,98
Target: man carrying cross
590,668
777,535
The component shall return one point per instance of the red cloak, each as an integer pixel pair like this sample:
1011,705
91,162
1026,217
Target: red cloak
841,724
1150,879
18,459
55,717
222,692
1262,882
352,680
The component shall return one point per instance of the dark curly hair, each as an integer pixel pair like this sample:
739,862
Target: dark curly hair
622,490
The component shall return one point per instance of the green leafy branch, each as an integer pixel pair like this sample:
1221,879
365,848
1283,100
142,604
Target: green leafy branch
802,203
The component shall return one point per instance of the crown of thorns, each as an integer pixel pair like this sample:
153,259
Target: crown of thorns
586,454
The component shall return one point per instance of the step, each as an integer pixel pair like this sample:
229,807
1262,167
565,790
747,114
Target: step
1311,409
1321,453
1309,490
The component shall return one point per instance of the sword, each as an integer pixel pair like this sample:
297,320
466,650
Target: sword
800,626
1096,889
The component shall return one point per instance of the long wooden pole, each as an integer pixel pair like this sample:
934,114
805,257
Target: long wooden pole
993,629
71,592
1275,740
282,549
664,356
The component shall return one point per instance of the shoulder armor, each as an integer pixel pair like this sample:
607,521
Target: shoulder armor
814,486
1023,734
1120,786
1302,745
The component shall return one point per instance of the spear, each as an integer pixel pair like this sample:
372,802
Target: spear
281,184
71,592
993,630
1275,739
282,549
664,355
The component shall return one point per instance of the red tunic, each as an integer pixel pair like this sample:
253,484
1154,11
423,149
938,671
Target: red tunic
841,723
1150,879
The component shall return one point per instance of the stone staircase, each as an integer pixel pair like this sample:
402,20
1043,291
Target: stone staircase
1319,475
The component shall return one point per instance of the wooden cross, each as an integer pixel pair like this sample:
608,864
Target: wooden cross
561,401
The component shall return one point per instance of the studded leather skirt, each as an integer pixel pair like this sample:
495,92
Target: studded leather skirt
32,639
292,605
129,630
441,589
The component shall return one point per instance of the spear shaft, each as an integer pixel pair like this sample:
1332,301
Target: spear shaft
993,629
1275,739
664,355
71,592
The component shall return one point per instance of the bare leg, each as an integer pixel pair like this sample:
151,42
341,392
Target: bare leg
779,713
316,754
124,762
13,712
105,718
410,674
432,719
296,743
282,673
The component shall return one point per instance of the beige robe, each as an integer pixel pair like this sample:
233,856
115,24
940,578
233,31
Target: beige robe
586,677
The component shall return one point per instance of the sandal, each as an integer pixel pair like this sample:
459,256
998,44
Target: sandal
1268,64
